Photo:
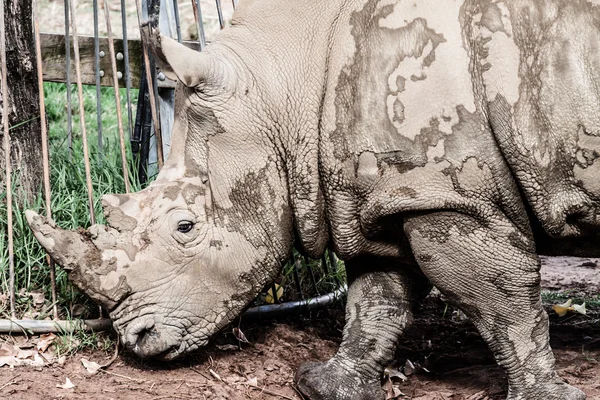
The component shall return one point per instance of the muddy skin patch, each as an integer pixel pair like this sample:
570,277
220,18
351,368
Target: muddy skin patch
191,193
359,115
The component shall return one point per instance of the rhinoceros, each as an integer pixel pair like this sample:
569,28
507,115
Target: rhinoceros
429,142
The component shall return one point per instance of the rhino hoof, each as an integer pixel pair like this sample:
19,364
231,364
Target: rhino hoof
325,381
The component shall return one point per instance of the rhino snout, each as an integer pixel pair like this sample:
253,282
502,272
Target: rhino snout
147,339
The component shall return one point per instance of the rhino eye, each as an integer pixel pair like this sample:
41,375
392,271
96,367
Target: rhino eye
185,226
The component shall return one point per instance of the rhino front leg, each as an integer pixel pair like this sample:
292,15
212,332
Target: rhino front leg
381,295
490,270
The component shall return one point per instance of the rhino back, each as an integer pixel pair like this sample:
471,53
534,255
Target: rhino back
405,124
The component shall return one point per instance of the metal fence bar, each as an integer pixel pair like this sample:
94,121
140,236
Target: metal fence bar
296,264
177,20
127,68
98,78
86,155
45,154
199,23
149,81
113,64
68,73
311,274
8,169
220,13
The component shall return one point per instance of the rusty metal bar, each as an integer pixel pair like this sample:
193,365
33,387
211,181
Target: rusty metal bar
296,264
311,274
97,55
149,75
113,64
177,20
220,13
199,24
8,169
127,68
45,154
86,155
68,80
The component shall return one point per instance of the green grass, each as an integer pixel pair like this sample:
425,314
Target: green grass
69,195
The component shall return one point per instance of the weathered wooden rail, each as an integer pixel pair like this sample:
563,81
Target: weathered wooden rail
54,59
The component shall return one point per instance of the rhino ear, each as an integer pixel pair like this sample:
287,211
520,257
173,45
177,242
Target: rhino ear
181,63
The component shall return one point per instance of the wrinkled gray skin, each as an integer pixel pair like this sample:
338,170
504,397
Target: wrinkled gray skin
429,141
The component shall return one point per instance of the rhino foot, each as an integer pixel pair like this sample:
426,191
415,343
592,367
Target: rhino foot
328,381
556,390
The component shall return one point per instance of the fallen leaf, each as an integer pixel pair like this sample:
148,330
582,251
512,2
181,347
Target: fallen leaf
394,373
6,350
579,309
38,298
8,360
67,385
227,347
239,335
45,341
409,368
91,366
563,309
278,294
24,353
252,382
61,360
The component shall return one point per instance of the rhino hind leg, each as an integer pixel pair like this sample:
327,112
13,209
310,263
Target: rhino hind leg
379,307
490,270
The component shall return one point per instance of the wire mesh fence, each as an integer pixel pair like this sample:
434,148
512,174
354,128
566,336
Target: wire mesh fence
97,52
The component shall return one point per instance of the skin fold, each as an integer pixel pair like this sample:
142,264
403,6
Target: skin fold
434,142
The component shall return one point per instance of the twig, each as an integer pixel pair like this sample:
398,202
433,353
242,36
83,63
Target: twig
298,392
269,392
208,378
122,376
8,384
113,358
215,375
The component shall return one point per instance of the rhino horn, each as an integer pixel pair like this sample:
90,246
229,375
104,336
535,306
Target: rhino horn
75,252
181,63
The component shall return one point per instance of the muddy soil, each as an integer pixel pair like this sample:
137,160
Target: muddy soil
459,364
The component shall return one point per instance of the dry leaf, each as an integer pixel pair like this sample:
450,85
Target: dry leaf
8,360
25,353
252,382
91,366
6,350
67,385
409,368
279,293
394,373
61,360
579,309
45,341
239,335
562,309
227,347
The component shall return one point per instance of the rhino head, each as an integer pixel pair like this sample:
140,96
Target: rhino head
181,259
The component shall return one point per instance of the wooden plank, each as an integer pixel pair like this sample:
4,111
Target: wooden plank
54,60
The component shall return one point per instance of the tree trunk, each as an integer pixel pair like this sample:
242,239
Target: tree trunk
24,109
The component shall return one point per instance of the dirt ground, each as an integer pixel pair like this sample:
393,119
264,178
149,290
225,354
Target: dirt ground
459,364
